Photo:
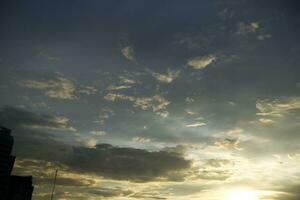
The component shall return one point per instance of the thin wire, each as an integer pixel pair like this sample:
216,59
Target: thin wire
54,182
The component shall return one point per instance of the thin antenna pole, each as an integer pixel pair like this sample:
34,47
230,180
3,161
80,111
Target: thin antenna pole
54,182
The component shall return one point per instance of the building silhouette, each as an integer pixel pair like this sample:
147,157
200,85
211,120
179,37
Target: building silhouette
6,160
11,187
20,188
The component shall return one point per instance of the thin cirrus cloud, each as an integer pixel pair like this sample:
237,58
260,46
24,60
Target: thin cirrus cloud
58,87
201,62
126,80
228,143
195,125
118,87
88,90
217,163
58,124
277,107
235,131
124,83
254,27
168,77
250,27
128,53
266,121
141,139
98,133
156,103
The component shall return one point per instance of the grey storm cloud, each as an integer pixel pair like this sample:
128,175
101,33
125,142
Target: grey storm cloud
64,181
105,160
127,163
23,118
110,192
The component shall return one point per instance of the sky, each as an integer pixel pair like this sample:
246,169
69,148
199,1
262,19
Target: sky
161,99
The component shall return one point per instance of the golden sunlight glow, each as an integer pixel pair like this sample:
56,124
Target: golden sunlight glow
242,194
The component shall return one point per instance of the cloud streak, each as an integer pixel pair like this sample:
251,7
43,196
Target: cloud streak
195,125
29,120
59,87
156,103
128,53
169,77
277,107
201,62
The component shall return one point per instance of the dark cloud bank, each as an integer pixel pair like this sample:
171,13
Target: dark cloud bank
105,160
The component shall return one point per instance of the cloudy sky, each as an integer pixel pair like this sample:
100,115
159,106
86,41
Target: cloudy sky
153,99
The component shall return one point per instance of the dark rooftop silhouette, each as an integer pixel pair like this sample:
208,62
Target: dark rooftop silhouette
11,187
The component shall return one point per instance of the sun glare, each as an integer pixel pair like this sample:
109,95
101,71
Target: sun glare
242,194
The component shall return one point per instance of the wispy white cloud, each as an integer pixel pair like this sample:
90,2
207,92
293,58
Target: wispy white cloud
245,28
88,90
156,103
40,105
59,87
189,112
35,105
98,133
104,115
264,36
90,142
118,87
266,121
169,77
228,143
128,52
116,97
126,80
294,156
194,119
250,27
141,139
234,131
218,163
189,99
200,62
124,83
277,107
195,125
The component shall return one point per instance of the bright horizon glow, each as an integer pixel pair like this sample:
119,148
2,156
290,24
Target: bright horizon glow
242,194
